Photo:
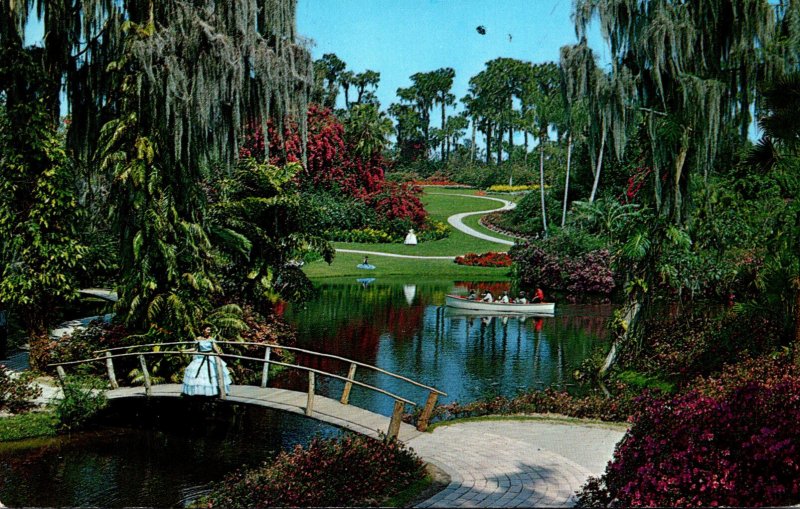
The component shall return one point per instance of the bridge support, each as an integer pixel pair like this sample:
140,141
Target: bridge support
349,384
397,419
310,401
220,378
265,372
146,375
422,424
112,377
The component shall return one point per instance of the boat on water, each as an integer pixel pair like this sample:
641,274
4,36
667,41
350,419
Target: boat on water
536,308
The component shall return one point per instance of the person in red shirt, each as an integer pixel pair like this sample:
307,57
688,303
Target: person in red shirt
538,296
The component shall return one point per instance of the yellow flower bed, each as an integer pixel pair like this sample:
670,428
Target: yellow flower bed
513,189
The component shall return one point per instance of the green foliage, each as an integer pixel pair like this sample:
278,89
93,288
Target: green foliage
351,471
643,381
17,390
366,235
29,425
259,225
83,399
325,211
40,254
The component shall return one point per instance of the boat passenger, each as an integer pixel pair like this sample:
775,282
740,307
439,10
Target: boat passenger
504,298
487,297
538,296
521,299
472,295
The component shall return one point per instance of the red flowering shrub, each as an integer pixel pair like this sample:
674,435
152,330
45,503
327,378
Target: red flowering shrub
579,274
399,201
332,165
738,448
490,259
351,471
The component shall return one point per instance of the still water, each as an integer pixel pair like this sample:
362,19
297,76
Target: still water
405,329
166,453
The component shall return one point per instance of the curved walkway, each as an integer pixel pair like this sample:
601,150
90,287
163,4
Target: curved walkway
512,463
457,220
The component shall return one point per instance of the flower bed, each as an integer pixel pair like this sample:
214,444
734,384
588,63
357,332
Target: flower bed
502,188
350,471
732,442
490,259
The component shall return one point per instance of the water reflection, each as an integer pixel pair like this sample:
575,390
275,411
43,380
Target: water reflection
156,453
414,335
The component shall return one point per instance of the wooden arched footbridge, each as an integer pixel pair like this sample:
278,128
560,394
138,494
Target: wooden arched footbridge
336,412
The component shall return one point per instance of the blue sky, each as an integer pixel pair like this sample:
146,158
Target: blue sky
401,37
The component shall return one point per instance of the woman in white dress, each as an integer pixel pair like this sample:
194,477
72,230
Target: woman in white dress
200,377
411,238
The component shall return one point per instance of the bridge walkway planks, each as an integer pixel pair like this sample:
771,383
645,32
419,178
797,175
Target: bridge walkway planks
326,410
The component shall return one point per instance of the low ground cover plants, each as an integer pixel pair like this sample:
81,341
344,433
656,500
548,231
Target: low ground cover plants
490,259
353,470
17,390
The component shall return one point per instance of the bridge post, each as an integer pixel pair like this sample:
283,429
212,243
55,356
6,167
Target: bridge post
146,375
422,424
397,418
310,402
220,377
265,374
349,384
110,366
62,375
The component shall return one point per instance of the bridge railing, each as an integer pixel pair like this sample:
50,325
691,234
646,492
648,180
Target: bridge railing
108,355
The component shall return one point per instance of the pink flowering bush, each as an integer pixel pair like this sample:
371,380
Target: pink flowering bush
731,446
350,471
586,273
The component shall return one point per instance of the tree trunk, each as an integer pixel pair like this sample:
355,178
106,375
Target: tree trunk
566,182
488,142
444,119
679,162
630,317
541,183
599,164
472,148
525,137
499,144
797,320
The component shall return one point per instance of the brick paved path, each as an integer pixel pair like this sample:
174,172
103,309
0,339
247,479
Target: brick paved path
515,463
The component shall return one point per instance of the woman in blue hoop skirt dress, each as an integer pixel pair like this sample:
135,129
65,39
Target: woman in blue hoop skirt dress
200,377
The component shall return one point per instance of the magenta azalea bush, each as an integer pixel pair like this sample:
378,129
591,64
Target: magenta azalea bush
734,447
587,273
350,471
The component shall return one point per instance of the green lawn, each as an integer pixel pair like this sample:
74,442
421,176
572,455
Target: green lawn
344,266
440,204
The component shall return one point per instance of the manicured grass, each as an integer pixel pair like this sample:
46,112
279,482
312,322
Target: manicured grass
344,266
29,425
440,204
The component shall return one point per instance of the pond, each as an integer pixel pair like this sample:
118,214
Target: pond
167,452
164,453
405,329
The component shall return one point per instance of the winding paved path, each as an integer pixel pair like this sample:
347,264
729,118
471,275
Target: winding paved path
457,222
512,463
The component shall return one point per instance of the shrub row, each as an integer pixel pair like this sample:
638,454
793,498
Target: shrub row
353,470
